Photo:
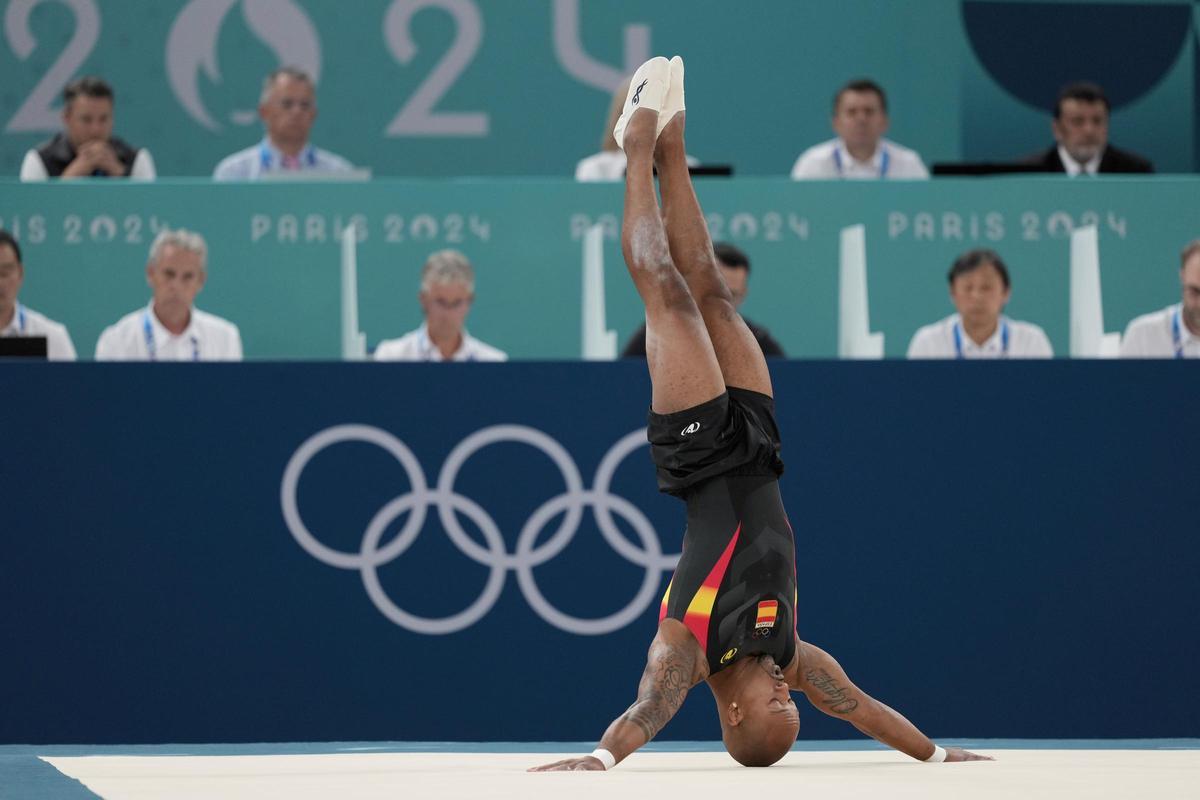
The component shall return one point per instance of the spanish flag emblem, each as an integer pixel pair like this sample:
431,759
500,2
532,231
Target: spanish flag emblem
767,611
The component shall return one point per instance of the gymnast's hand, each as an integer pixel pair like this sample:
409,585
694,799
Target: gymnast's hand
958,754
574,765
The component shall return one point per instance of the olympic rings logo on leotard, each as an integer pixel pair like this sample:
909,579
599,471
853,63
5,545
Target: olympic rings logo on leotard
494,554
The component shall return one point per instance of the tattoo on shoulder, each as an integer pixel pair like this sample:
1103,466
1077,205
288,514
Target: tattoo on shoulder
662,696
838,701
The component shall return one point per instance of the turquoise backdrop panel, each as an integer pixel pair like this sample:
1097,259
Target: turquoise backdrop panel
274,256
521,87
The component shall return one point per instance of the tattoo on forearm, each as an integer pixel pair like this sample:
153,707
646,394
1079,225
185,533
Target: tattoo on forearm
662,698
838,702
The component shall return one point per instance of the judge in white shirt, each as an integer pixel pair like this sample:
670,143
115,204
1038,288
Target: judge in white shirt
171,328
860,119
20,320
447,292
1173,332
980,288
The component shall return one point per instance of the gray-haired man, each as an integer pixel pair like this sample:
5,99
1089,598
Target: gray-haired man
447,291
288,108
170,328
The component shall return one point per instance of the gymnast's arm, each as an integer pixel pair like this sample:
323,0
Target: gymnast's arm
825,684
674,665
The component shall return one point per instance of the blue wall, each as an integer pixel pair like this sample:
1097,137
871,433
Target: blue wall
1002,550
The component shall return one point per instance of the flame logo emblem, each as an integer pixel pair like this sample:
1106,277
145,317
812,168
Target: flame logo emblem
192,46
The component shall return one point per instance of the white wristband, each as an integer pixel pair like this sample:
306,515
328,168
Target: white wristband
607,759
939,755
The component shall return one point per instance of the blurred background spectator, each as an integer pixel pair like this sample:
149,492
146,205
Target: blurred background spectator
860,120
735,267
1173,332
980,288
86,147
1080,128
447,292
288,109
609,163
171,328
19,320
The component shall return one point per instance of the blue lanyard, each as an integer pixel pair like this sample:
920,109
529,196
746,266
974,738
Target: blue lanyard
884,162
958,339
20,319
267,159
1177,333
152,348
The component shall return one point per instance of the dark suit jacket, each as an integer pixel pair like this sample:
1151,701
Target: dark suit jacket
1114,160
636,346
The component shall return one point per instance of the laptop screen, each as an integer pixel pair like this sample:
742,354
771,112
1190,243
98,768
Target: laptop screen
23,347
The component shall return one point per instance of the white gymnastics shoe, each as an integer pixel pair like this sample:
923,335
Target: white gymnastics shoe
674,102
647,89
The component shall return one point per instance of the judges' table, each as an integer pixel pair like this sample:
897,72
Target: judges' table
274,253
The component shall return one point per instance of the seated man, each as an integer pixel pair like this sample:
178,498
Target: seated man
1080,128
447,291
728,617
609,163
19,320
86,147
860,119
1173,332
171,328
735,269
288,108
980,289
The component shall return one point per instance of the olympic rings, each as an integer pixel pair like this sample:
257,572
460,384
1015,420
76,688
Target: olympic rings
493,554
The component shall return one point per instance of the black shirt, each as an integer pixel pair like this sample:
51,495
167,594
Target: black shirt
636,346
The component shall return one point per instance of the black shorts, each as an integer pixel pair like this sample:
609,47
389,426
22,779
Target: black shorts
733,434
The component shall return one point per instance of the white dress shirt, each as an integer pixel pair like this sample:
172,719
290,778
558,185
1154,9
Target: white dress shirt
1160,334
1012,339
1074,168
263,158
27,322
139,336
607,165
831,160
33,170
417,346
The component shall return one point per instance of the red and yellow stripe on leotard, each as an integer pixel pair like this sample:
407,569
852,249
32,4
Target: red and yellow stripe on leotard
700,609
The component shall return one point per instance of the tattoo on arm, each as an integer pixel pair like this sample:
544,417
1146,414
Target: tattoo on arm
837,701
662,692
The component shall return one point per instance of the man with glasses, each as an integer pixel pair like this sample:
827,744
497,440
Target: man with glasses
447,291
288,108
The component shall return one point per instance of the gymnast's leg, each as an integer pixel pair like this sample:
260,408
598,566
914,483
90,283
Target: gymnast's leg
684,370
741,360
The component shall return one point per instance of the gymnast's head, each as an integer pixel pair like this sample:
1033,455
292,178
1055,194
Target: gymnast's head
759,720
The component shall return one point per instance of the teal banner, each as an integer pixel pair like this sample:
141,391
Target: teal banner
274,253
521,87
